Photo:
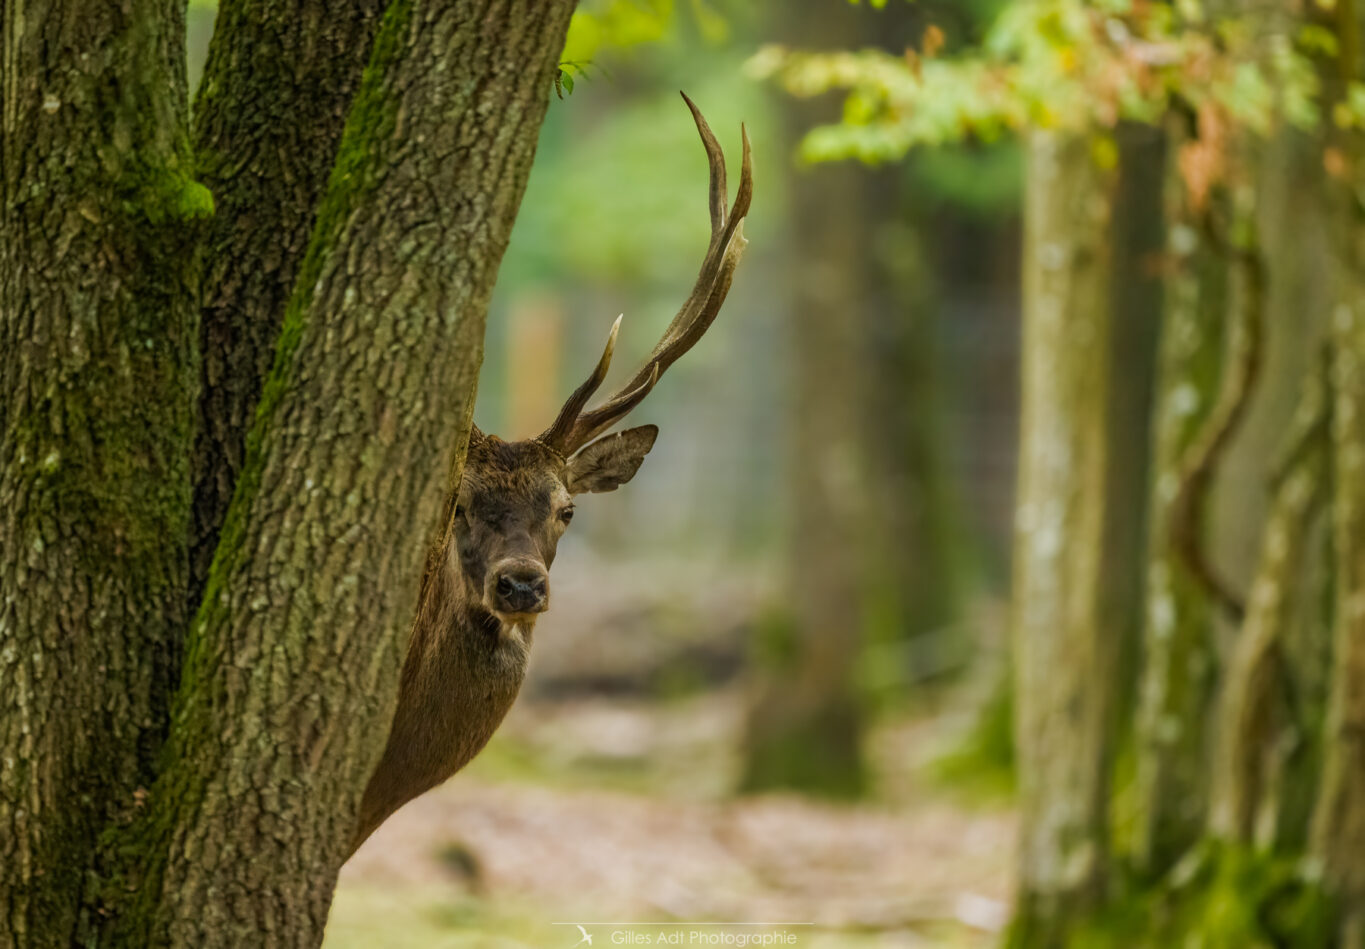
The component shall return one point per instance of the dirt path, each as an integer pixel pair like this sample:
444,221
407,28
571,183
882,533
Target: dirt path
506,849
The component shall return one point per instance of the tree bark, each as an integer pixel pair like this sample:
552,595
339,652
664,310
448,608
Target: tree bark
220,816
1063,658
1180,649
1258,702
1339,818
1338,835
1137,295
97,324
293,660
268,116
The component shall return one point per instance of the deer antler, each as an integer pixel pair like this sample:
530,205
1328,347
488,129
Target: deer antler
574,427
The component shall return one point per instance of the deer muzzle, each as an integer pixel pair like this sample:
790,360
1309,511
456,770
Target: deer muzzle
519,587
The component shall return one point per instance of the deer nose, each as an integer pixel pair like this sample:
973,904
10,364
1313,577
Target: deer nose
522,590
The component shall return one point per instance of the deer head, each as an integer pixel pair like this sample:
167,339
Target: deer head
516,498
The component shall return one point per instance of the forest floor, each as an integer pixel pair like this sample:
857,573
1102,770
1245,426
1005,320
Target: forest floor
607,797
616,811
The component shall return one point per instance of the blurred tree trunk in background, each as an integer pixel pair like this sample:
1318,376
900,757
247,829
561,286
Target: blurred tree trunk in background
1262,780
1136,292
918,565
1063,651
1339,828
1338,839
531,356
1295,211
916,568
1288,198
1180,652
805,724
146,801
874,562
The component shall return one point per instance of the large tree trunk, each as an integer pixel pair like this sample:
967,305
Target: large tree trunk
230,832
1062,656
97,323
267,120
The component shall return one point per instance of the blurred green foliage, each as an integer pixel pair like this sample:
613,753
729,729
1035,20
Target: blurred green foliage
981,764
621,192
1056,64
616,25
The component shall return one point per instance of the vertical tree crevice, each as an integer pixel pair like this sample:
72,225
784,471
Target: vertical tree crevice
268,117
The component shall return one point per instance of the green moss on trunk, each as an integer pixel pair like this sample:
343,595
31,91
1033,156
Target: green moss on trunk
292,668
1180,657
98,271
269,115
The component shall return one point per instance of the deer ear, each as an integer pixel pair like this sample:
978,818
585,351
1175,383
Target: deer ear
610,462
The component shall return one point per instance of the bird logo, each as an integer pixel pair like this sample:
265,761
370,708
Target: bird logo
586,940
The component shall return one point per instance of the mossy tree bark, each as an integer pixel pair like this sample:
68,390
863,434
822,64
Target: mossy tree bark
1137,292
1063,658
1259,710
267,119
97,277
141,801
1339,820
1294,210
1338,836
1180,651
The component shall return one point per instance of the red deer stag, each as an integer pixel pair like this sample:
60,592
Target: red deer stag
487,578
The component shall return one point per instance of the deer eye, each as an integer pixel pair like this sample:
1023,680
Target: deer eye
566,515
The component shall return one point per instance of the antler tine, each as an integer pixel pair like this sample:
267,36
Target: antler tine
575,427
591,424
693,320
557,433
715,157
720,233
